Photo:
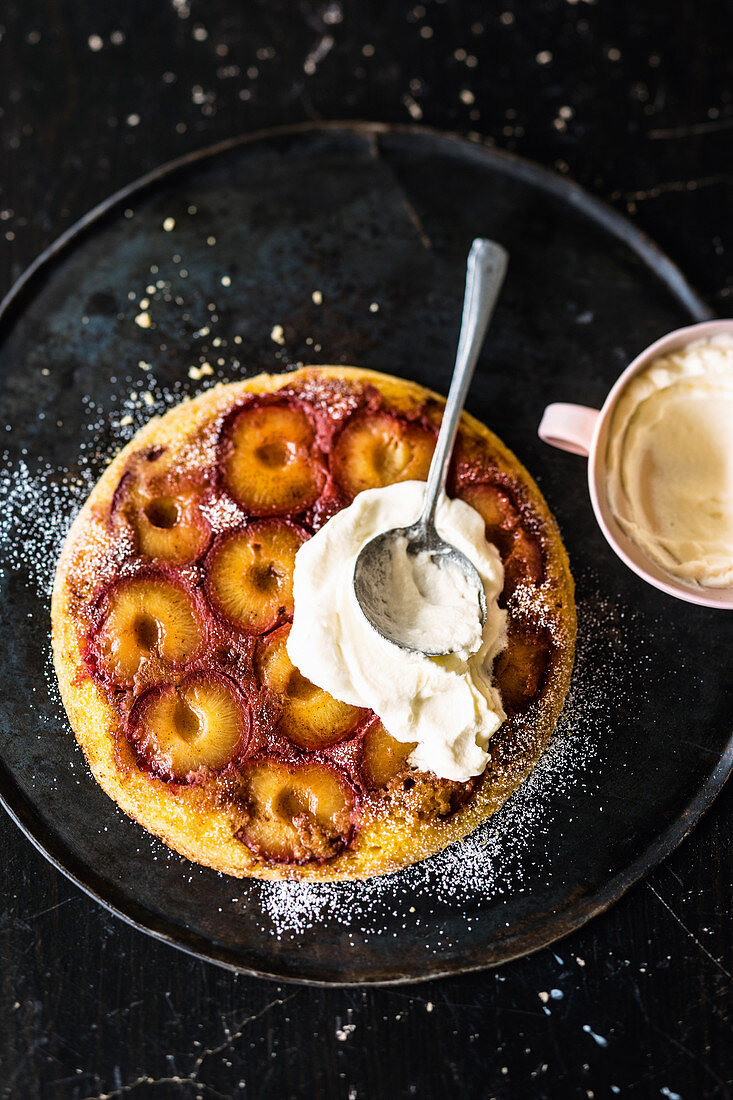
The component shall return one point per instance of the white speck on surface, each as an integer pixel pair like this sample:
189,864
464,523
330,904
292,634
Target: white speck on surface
143,320
332,14
133,120
321,50
343,1032
169,224
598,1038
226,280
544,57
413,107
374,307
95,43
317,297
277,334
466,96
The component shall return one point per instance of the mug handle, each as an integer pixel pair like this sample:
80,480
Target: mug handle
569,427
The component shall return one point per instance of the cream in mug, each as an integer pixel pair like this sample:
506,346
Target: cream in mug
670,461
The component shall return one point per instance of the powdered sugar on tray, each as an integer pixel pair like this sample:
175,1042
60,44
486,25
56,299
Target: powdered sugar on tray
36,510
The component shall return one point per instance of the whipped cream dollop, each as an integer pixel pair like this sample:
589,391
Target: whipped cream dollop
447,705
670,461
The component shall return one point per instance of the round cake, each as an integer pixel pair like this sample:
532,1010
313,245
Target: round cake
173,600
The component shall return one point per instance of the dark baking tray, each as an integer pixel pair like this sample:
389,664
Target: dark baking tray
369,216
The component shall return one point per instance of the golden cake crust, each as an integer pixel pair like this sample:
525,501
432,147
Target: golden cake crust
203,828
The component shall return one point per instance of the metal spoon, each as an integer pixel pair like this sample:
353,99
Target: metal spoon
487,263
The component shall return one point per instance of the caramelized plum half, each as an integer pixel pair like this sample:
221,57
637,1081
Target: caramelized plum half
525,564
376,449
269,460
520,550
249,574
149,623
296,813
311,718
521,668
383,756
164,514
200,725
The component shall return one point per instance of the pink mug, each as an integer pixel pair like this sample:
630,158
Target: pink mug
584,431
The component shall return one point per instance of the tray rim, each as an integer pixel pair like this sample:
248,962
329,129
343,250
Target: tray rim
20,808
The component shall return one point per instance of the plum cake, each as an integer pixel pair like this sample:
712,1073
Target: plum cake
173,600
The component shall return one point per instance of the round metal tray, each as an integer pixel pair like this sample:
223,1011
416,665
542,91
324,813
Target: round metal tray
378,220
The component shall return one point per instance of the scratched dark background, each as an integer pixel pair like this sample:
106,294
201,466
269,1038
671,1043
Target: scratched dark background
635,101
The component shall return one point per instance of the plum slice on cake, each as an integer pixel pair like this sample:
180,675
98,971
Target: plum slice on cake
269,461
521,668
310,718
383,756
249,574
378,448
201,724
148,623
520,550
163,512
296,812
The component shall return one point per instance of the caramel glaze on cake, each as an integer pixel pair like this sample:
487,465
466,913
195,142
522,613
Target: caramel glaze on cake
173,599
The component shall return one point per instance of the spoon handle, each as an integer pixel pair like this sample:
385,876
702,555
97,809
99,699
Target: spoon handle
485,271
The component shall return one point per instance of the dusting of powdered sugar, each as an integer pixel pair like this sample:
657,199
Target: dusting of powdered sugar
36,511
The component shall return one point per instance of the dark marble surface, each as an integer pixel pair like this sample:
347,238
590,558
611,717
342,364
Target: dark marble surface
635,102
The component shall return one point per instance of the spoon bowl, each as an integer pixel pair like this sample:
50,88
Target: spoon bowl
485,271
376,560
